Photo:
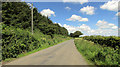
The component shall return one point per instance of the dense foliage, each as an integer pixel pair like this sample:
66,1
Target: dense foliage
111,41
98,54
18,14
0,43
16,41
16,30
76,34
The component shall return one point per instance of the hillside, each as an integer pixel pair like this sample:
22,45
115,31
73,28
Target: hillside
18,14
16,30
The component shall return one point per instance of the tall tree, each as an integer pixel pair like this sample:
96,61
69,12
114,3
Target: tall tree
18,14
76,34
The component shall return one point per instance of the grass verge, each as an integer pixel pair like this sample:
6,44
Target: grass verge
96,54
28,53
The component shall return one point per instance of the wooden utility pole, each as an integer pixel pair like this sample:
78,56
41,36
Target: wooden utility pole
32,18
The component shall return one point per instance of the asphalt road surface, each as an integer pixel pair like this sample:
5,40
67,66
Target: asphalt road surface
62,54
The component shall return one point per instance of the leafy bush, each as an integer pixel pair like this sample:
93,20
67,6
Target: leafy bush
16,27
111,41
16,41
98,54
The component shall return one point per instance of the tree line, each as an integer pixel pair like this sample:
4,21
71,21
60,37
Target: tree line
18,14
76,34
17,37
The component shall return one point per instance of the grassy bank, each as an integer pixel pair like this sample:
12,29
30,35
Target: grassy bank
97,54
31,52
18,42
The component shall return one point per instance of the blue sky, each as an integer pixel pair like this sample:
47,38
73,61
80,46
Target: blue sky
101,20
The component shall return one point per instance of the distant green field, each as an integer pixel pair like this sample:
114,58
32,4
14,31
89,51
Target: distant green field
97,54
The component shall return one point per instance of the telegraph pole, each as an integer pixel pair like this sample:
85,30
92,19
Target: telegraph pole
32,18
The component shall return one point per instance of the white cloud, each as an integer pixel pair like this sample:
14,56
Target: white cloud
70,29
88,10
109,30
105,32
105,25
60,24
76,1
84,28
68,8
110,5
47,12
77,18
114,27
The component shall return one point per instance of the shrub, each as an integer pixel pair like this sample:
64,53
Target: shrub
97,54
111,41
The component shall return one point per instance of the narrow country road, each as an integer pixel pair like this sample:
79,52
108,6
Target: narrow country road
61,54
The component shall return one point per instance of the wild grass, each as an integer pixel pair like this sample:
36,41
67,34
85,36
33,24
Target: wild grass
97,54
28,53
18,42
